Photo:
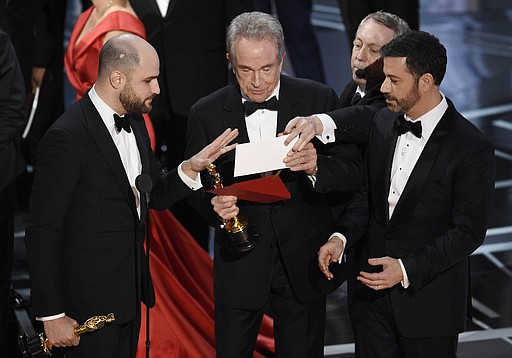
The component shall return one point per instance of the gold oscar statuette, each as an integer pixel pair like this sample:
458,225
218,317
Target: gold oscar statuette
240,233
40,346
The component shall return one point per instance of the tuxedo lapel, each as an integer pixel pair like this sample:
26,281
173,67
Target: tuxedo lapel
172,3
139,127
107,148
154,6
420,174
289,104
232,113
382,168
347,94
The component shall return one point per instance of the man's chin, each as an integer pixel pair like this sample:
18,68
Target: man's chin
392,107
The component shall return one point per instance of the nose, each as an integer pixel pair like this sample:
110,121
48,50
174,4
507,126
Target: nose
155,87
362,54
256,79
385,88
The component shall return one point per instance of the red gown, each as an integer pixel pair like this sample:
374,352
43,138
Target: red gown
182,321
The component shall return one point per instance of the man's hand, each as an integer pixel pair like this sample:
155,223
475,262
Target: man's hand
390,275
61,332
330,252
305,160
210,153
304,127
225,206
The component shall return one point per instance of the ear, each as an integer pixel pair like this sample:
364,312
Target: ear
426,82
116,79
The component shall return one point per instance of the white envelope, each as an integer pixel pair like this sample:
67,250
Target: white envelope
262,156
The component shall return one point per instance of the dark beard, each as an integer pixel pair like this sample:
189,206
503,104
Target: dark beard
404,105
132,104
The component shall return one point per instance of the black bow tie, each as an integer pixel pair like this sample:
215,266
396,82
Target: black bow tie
122,123
251,107
403,126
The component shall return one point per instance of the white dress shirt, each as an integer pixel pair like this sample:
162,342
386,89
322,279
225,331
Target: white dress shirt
125,143
262,124
163,5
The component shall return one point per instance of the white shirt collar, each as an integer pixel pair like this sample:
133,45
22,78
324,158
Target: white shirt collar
360,91
430,119
106,113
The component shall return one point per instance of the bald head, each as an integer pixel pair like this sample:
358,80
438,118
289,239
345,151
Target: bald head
122,53
127,74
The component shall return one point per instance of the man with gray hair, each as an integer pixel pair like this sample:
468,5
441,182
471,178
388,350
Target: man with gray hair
280,273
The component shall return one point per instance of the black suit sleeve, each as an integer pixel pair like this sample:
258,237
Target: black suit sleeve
339,165
58,169
13,109
353,123
13,113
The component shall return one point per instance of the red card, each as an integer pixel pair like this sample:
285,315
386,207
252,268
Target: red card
263,190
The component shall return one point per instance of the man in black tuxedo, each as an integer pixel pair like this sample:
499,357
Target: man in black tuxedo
13,117
430,179
86,230
190,39
281,270
362,96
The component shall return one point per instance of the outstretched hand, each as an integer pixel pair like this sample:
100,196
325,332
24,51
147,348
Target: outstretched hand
210,153
304,160
306,128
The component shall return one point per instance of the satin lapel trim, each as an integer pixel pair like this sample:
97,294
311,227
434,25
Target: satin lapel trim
289,104
138,126
383,168
172,3
409,198
103,140
232,114
347,94
153,5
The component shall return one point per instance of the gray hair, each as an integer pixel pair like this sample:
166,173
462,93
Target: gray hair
391,21
255,26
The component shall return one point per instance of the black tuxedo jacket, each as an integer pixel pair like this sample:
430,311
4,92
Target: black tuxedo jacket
440,219
85,238
13,113
353,124
300,225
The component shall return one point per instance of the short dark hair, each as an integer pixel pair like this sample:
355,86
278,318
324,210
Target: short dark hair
423,52
118,53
